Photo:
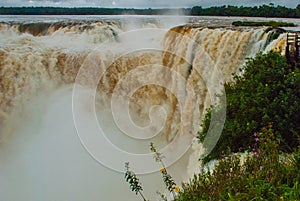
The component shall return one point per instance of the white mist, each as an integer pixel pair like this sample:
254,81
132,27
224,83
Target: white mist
43,159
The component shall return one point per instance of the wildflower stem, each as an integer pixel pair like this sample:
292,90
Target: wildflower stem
141,194
134,182
169,182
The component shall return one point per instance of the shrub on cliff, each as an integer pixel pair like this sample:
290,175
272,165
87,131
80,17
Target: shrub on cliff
263,176
267,93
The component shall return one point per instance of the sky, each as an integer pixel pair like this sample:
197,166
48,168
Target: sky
145,3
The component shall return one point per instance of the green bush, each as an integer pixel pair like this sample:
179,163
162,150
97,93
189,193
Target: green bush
263,176
273,24
267,93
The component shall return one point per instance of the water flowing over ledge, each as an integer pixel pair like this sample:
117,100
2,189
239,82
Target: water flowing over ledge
39,64
40,57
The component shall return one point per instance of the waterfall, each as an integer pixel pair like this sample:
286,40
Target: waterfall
170,75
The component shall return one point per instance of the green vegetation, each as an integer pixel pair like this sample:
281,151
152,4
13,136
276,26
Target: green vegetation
268,93
261,11
273,24
262,119
263,176
256,11
134,182
90,11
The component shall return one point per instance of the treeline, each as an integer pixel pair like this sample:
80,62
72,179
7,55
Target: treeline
256,11
273,24
90,11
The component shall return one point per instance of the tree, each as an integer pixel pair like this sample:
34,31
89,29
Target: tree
298,10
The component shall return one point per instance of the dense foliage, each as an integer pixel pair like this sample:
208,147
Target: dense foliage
90,11
267,93
261,11
256,11
273,24
264,175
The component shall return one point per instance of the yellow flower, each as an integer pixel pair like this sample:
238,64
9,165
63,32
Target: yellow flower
162,170
177,189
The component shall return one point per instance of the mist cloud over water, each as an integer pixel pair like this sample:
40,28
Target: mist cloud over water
43,159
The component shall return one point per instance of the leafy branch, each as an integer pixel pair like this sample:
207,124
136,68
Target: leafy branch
134,182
